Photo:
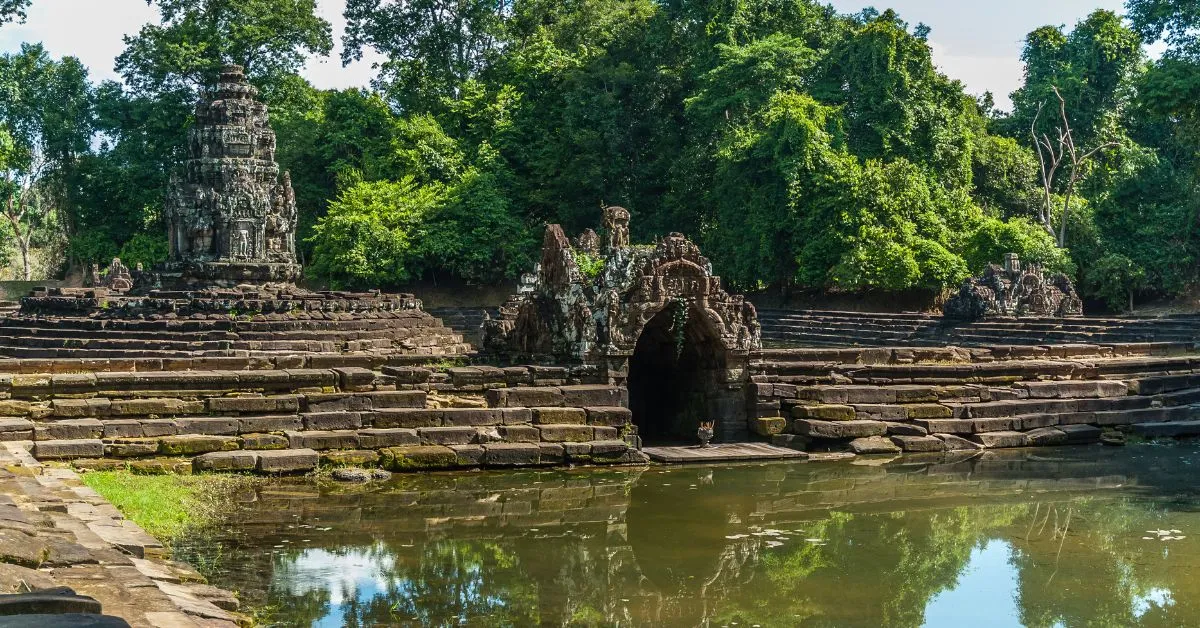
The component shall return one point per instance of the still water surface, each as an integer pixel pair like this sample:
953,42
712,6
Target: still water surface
1056,537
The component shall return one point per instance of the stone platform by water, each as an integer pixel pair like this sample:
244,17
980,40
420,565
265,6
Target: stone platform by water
724,452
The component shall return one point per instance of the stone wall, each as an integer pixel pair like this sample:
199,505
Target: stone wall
289,415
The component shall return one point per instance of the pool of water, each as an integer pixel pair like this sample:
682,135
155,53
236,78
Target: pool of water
1054,537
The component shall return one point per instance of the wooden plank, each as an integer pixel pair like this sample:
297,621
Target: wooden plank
724,452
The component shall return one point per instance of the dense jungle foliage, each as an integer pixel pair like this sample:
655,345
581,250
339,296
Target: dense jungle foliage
802,148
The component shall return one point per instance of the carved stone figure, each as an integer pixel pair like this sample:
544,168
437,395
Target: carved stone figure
1013,290
117,277
231,217
588,242
616,225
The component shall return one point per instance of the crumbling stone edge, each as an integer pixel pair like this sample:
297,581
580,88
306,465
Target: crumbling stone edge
57,532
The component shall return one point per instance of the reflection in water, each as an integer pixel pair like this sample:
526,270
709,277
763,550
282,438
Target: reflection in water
1071,537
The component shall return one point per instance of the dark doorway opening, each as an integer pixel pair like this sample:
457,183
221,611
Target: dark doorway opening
676,381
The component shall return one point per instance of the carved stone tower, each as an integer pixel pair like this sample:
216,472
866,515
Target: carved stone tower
231,218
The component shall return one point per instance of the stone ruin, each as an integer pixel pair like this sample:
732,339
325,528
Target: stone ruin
654,318
1014,290
563,315
231,226
231,217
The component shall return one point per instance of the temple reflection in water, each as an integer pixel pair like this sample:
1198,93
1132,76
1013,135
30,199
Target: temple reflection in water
1060,538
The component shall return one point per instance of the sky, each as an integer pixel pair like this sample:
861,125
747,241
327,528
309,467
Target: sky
976,42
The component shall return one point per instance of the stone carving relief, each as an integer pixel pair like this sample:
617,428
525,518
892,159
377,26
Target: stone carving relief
1014,290
118,278
229,212
567,316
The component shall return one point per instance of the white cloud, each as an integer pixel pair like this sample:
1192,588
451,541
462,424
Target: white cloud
1000,75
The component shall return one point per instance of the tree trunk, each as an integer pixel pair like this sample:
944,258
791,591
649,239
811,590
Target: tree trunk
23,244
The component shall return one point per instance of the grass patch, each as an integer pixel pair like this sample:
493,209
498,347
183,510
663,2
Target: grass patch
168,506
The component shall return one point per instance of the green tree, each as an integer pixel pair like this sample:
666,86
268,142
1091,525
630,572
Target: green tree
13,11
46,120
1115,278
371,234
432,46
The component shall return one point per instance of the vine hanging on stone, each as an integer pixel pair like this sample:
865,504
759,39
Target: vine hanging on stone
679,319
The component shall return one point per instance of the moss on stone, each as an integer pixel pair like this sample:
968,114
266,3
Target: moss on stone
417,458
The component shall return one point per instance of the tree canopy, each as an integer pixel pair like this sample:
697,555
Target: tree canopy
805,149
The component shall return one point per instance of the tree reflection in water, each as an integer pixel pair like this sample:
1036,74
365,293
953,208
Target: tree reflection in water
772,545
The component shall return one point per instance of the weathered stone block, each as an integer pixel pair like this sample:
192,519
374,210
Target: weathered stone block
606,433
577,452
611,416
405,417
127,448
332,420
603,450
191,445
519,433
264,441
323,440
16,408
839,429
552,453
559,416
378,438
71,429
523,397
1074,389
312,378
145,407
67,449
927,411
446,435
349,457
919,443
768,426
824,412
12,429
995,440
572,433
407,375
122,428
1046,436
791,441
470,416
594,395
467,455
957,443
395,399
417,458
515,416
159,427
355,378
511,454
906,429
227,426
874,445
285,403
270,423
1168,429
287,461
226,461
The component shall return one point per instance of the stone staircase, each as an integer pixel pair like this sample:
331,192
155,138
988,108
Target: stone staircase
291,413
817,328
405,332
467,321
880,400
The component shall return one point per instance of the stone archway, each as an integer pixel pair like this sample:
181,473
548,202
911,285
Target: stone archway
675,380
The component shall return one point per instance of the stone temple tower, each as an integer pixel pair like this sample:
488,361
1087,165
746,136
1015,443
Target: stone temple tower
231,217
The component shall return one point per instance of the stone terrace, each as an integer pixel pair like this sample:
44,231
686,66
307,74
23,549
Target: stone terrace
888,400
817,328
288,414
56,532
